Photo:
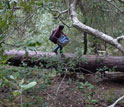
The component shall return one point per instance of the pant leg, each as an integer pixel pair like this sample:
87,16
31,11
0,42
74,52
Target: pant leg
60,49
56,49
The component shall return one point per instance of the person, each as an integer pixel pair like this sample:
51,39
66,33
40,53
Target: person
56,34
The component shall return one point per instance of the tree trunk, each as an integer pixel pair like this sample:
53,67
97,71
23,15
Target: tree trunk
85,43
83,63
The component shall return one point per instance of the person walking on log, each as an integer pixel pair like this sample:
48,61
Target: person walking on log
56,34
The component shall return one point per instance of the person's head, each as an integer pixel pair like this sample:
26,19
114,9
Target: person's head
61,27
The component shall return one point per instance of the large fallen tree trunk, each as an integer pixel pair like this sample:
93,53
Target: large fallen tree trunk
84,63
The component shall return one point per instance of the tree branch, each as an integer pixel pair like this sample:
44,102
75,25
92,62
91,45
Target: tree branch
111,3
94,32
120,38
64,22
122,1
60,13
20,24
113,105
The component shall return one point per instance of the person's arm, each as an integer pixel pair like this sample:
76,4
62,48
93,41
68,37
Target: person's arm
54,34
64,34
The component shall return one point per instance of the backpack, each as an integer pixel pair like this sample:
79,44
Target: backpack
51,38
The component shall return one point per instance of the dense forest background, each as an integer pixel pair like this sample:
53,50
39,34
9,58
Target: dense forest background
27,25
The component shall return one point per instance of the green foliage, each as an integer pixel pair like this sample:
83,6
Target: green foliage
111,95
113,69
102,69
6,15
33,43
102,16
20,83
3,58
87,85
27,5
41,24
87,89
4,81
14,81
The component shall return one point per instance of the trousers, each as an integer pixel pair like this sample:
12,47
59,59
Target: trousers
58,47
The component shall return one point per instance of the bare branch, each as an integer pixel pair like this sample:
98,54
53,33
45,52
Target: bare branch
111,3
60,13
61,84
122,1
94,32
64,22
120,38
113,105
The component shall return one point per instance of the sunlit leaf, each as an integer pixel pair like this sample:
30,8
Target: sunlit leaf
28,86
16,93
12,77
22,81
94,101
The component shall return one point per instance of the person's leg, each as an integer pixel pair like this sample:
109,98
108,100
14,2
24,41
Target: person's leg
61,49
56,49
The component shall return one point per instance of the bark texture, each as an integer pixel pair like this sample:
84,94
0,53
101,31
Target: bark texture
83,63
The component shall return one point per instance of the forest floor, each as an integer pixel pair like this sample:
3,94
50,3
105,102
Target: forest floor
55,89
75,94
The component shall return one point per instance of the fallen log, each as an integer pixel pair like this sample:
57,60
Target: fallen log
83,63
114,76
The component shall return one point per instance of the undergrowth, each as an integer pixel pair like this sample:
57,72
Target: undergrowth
50,87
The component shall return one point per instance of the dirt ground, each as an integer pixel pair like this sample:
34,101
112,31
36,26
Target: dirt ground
105,91
64,91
